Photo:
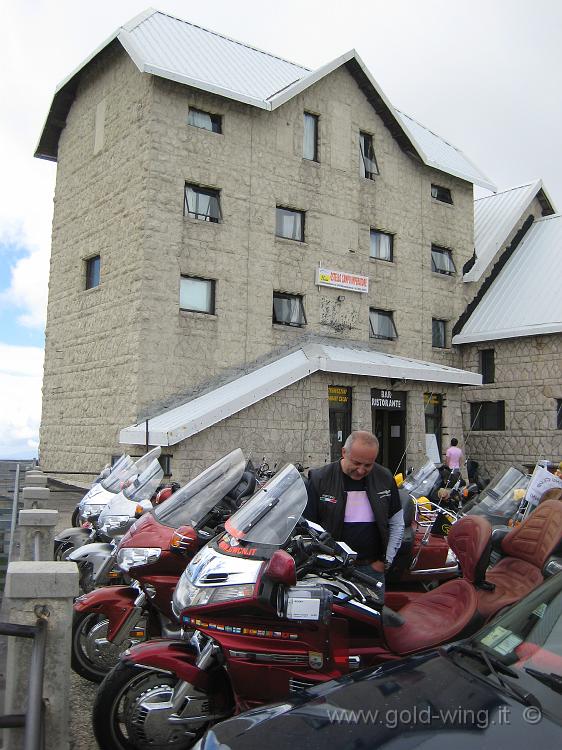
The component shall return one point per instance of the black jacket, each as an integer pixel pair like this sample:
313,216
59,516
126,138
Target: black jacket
327,498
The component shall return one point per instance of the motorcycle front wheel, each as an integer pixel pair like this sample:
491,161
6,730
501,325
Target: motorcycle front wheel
92,655
133,708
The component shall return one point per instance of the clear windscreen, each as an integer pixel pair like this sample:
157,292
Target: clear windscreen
145,484
191,503
503,495
120,471
272,513
422,481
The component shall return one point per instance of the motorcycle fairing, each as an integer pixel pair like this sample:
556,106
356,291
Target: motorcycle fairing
113,602
95,553
78,536
177,657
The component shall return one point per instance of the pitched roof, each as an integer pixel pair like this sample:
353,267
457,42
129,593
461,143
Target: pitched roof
496,217
525,298
165,46
174,425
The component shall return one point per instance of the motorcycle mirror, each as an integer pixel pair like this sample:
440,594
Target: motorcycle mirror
281,568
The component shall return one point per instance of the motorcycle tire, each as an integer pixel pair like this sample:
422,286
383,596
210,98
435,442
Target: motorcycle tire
87,660
86,577
62,550
116,713
75,520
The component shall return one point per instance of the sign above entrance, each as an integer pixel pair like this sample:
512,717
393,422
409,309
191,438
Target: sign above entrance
389,400
341,280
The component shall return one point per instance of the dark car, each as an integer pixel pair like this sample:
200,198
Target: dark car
500,689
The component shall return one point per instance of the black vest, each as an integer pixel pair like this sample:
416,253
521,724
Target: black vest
328,480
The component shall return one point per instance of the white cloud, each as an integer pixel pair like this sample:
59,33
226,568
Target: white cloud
28,289
21,370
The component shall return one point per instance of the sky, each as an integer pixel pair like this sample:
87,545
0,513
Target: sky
483,74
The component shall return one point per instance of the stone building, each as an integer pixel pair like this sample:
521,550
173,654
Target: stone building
246,252
511,332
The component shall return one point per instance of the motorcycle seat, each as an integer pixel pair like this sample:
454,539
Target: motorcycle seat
526,549
442,614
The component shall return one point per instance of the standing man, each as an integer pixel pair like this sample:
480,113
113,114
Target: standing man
453,456
356,500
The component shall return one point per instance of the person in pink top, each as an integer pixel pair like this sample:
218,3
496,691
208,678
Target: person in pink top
453,456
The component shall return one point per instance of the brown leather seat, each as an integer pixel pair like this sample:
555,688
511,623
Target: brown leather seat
442,614
526,550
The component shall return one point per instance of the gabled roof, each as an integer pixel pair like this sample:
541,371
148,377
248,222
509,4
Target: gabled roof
496,217
165,46
525,298
177,424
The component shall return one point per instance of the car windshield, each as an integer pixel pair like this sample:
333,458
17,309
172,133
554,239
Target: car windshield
145,484
503,496
528,639
190,504
422,481
272,513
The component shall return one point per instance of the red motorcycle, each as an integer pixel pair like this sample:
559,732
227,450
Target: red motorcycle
277,607
153,554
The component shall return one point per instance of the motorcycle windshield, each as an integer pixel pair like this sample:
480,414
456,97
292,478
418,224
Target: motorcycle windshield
272,513
191,503
145,484
120,470
500,498
422,481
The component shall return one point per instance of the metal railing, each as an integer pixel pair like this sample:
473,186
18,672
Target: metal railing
32,719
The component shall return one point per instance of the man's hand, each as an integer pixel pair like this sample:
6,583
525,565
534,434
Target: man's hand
378,565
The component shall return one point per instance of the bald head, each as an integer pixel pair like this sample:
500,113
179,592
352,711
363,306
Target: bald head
359,454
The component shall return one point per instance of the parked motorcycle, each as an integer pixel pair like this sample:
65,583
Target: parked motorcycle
153,554
276,612
110,477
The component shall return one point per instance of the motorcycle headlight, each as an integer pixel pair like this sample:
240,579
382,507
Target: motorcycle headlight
90,510
115,522
129,557
187,595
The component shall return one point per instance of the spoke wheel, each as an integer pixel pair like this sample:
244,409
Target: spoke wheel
62,550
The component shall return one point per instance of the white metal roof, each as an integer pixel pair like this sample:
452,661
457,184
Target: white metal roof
162,45
177,424
525,298
495,217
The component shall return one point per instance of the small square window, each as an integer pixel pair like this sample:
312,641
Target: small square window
205,120
368,167
165,461
487,415
289,224
381,325
288,309
93,272
487,365
442,260
310,137
197,295
202,203
438,333
381,245
442,194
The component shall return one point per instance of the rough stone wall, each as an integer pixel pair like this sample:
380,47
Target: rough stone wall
257,164
292,425
528,377
92,360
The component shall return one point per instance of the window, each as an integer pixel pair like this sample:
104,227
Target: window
487,415
288,309
289,224
205,120
442,260
310,137
442,194
438,338
559,414
367,164
487,365
202,203
381,325
197,295
381,245
165,461
93,272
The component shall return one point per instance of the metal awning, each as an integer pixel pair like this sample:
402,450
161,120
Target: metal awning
173,426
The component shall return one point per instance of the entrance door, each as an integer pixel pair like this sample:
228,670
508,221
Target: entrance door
339,397
433,408
389,425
